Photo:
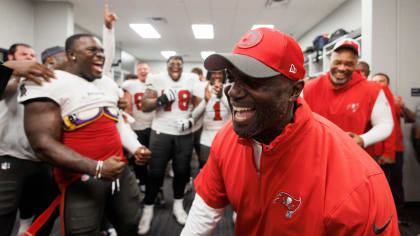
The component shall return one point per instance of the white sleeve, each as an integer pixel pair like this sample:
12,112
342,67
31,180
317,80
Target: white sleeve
199,110
108,36
202,219
29,90
381,120
128,137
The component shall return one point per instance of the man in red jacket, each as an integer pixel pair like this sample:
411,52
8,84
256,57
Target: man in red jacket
346,98
395,167
284,169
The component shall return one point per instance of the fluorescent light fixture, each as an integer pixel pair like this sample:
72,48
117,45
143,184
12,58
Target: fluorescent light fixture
145,31
168,54
260,26
205,54
203,31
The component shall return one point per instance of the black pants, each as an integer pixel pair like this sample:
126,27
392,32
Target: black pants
196,140
141,171
394,175
163,148
397,180
87,202
204,155
28,185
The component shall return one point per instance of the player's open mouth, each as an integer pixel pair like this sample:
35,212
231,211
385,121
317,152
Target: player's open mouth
97,67
242,114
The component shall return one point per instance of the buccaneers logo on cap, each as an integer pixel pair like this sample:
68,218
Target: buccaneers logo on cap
250,39
291,204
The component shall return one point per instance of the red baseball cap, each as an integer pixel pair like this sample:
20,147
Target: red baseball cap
347,43
262,53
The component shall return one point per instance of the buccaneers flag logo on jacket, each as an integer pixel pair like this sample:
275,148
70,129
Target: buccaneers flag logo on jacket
291,203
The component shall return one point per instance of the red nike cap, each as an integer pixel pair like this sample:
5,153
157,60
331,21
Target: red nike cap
262,53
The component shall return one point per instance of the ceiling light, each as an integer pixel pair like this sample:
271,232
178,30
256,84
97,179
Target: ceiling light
168,54
205,54
260,26
203,31
145,31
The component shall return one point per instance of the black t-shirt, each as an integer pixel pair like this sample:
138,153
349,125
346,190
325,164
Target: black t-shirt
5,74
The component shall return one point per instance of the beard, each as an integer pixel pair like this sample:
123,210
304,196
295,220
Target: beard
265,115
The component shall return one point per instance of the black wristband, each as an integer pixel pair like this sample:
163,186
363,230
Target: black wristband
162,100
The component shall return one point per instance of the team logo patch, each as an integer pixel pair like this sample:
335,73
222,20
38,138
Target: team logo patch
5,165
293,69
250,39
85,178
22,90
288,201
353,107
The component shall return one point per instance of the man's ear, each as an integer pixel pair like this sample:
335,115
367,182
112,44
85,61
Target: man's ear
297,88
70,55
10,57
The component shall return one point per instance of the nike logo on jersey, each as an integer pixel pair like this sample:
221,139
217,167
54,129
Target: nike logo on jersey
377,230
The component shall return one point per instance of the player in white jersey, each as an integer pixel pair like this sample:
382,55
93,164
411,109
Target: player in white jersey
169,95
25,181
73,124
214,108
143,120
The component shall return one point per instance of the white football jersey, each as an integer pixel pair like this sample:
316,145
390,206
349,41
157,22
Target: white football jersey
136,89
13,141
216,114
165,118
72,93
198,91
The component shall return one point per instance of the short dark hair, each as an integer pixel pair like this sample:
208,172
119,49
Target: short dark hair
13,48
384,75
70,40
197,70
175,58
208,75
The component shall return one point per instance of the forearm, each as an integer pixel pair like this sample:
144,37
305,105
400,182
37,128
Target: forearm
381,121
202,219
149,104
199,110
408,115
59,155
11,88
109,47
128,137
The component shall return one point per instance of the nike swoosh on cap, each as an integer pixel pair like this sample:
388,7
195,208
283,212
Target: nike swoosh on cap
377,230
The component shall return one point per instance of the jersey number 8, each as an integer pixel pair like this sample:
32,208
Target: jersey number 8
183,101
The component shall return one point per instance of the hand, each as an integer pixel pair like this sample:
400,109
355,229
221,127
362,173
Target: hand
398,101
207,93
170,94
357,139
142,155
185,124
31,70
122,103
218,90
385,160
109,18
112,168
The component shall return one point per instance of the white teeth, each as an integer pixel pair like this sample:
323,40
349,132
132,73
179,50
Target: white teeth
241,108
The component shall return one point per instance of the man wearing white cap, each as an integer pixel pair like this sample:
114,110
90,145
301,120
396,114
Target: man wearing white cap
346,98
284,169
